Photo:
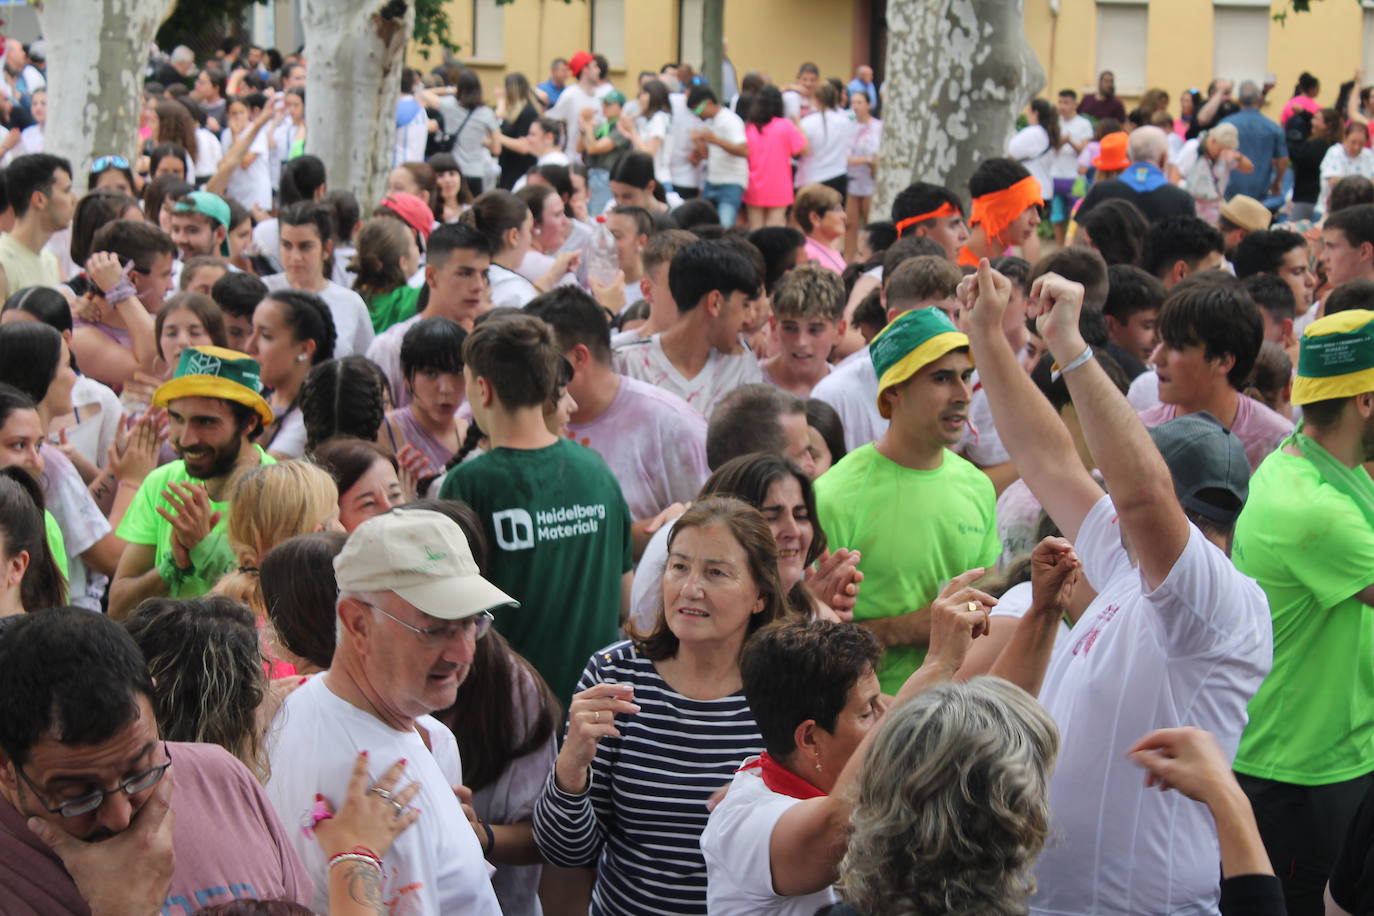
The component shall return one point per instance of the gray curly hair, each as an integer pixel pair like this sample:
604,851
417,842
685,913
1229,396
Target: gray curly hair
953,807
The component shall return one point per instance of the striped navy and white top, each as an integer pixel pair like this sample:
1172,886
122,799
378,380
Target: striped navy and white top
641,819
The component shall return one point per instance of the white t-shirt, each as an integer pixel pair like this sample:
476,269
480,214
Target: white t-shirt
81,521
385,351
736,842
568,109
654,444
723,167
658,127
852,389
289,439
95,419
267,238
722,374
830,135
508,288
685,173
1016,601
209,151
31,139
436,866
352,322
1191,652
251,185
646,589
1144,391
411,136
1066,157
1031,147
1336,164
982,444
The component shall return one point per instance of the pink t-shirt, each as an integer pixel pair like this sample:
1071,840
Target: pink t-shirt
1290,108
770,162
824,255
1257,427
654,443
229,846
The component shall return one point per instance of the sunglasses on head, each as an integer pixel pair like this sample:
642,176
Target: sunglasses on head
106,162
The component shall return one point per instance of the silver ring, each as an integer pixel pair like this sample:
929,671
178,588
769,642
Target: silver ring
381,793
400,808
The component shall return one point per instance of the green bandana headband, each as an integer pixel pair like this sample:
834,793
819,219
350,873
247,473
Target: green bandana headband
1336,359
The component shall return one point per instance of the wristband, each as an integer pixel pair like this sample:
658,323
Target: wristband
120,291
356,857
491,839
1056,372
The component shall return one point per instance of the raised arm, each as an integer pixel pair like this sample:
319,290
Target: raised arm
1152,521
1031,431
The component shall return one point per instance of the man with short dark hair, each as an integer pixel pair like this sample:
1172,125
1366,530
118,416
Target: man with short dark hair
653,441
1006,209
866,500
1347,245
1277,308
456,265
1283,254
700,358
175,526
411,608
97,813
1104,103
555,518
1181,245
209,92
200,225
39,187
237,294
1075,133
1210,334
1306,535
1132,312
552,88
721,138
924,209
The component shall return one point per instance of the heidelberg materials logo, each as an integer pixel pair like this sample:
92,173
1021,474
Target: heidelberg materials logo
199,363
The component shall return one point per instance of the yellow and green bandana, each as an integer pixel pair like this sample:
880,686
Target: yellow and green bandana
911,341
1336,359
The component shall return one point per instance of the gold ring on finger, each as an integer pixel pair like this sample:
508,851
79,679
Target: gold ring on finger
596,717
973,606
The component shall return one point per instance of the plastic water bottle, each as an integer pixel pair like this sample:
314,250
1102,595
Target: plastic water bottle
603,263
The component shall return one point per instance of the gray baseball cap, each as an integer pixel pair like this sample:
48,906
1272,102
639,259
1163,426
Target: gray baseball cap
1208,464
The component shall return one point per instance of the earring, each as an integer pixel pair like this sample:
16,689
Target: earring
818,762
300,357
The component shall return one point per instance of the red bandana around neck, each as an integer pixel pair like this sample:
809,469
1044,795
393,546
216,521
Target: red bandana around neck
782,780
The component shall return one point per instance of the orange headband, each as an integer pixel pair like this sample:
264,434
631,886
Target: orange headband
945,209
998,210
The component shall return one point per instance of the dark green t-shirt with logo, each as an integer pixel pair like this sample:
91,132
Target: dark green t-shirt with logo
559,537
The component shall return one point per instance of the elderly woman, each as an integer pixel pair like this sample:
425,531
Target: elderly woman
660,723
1204,167
774,844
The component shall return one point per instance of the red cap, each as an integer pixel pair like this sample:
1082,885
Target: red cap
414,211
579,60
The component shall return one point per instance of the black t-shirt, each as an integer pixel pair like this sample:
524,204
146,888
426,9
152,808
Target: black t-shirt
1352,877
1164,201
514,164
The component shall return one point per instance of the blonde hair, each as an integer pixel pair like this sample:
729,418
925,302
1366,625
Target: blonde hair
1226,136
922,843
270,503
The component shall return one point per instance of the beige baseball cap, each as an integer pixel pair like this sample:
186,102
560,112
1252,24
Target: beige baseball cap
424,557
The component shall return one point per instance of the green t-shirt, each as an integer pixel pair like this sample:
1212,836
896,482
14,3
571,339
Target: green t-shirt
916,530
559,536
1311,550
56,544
211,558
393,307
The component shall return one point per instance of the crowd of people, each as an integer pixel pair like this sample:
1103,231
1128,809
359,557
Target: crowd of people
624,517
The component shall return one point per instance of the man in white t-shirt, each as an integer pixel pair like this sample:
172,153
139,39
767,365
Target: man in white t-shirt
653,441
723,141
1075,132
701,358
582,94
1175,636
456,274
411,609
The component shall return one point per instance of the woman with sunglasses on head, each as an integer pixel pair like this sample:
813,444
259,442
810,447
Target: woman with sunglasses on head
114,173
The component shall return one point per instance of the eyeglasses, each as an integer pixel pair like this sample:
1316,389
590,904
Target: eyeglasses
140,782
475,626
105,162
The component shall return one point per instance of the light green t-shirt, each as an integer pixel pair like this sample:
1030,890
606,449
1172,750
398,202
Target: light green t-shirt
916,530
142,525
1310,549
23,268
56,544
